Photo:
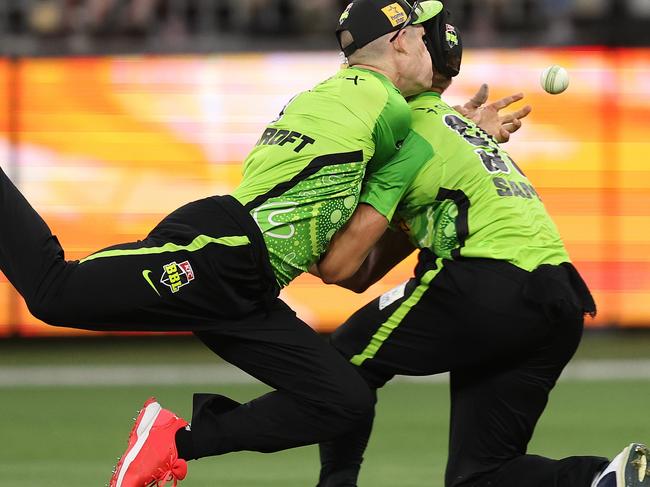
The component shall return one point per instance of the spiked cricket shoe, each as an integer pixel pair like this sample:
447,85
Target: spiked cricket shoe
629,469
151,458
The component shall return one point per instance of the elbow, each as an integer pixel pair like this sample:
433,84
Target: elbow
354,283
332,276
349,284
358,287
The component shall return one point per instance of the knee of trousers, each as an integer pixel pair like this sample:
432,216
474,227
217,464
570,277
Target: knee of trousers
476,479
459,483
352,404
47,310
565,338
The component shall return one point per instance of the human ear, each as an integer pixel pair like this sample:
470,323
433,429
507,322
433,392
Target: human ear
401,42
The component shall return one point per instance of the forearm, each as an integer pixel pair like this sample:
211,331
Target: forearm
351,245
390,250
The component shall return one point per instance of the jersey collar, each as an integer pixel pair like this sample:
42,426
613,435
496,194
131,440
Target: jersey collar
435,94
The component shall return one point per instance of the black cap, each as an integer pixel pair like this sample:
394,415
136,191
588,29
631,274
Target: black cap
368,20
445,44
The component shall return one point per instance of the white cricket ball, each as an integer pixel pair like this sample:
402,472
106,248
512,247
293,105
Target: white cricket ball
555,79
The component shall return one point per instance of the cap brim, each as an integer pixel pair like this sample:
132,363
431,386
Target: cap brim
428,10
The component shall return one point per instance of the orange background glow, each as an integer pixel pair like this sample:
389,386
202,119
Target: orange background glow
105,147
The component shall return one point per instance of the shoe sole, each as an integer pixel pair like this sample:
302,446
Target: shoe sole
635,473
148,417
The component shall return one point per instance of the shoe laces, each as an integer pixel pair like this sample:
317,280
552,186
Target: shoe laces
162,475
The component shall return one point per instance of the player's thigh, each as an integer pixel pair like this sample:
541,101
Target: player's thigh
452,315
132,286
405,331
193,268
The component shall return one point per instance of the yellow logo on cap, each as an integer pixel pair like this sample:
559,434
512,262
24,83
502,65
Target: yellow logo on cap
395,14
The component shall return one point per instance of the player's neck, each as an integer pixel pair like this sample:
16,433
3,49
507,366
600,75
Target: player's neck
402,83
376,69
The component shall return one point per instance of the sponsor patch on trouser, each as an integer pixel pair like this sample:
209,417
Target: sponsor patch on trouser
391,296
176,275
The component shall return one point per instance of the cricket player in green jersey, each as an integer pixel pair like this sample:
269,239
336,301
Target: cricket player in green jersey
494,301
215,266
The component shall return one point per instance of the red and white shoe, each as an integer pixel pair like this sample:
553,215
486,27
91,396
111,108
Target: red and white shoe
151,459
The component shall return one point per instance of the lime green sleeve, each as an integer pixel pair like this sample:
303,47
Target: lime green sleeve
385,187
391,129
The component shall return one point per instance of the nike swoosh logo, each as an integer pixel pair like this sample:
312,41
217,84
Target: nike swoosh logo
145,274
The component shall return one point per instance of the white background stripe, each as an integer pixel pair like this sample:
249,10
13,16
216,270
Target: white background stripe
126,375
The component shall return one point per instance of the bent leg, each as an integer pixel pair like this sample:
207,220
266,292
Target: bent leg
318,394
404,336
505,355
493,415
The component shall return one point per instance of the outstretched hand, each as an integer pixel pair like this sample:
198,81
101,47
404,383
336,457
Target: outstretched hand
487,117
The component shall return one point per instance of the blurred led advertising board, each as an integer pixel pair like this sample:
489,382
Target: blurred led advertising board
108,146
7,298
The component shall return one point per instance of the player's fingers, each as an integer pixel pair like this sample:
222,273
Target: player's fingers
507,101
523,112
507,118
504,136
513,127
462,110
518,115
479,98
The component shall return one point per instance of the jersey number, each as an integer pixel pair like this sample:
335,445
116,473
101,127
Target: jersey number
489,153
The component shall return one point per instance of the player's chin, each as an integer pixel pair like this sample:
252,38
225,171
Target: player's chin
423,83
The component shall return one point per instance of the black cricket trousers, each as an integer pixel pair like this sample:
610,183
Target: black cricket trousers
205,269
505,335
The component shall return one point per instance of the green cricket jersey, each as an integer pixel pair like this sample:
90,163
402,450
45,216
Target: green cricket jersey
471,199
302,181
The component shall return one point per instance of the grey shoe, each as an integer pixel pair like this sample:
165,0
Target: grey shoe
628,469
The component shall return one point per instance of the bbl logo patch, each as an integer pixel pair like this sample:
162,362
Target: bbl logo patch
345,14
176,275
395,14
452,36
